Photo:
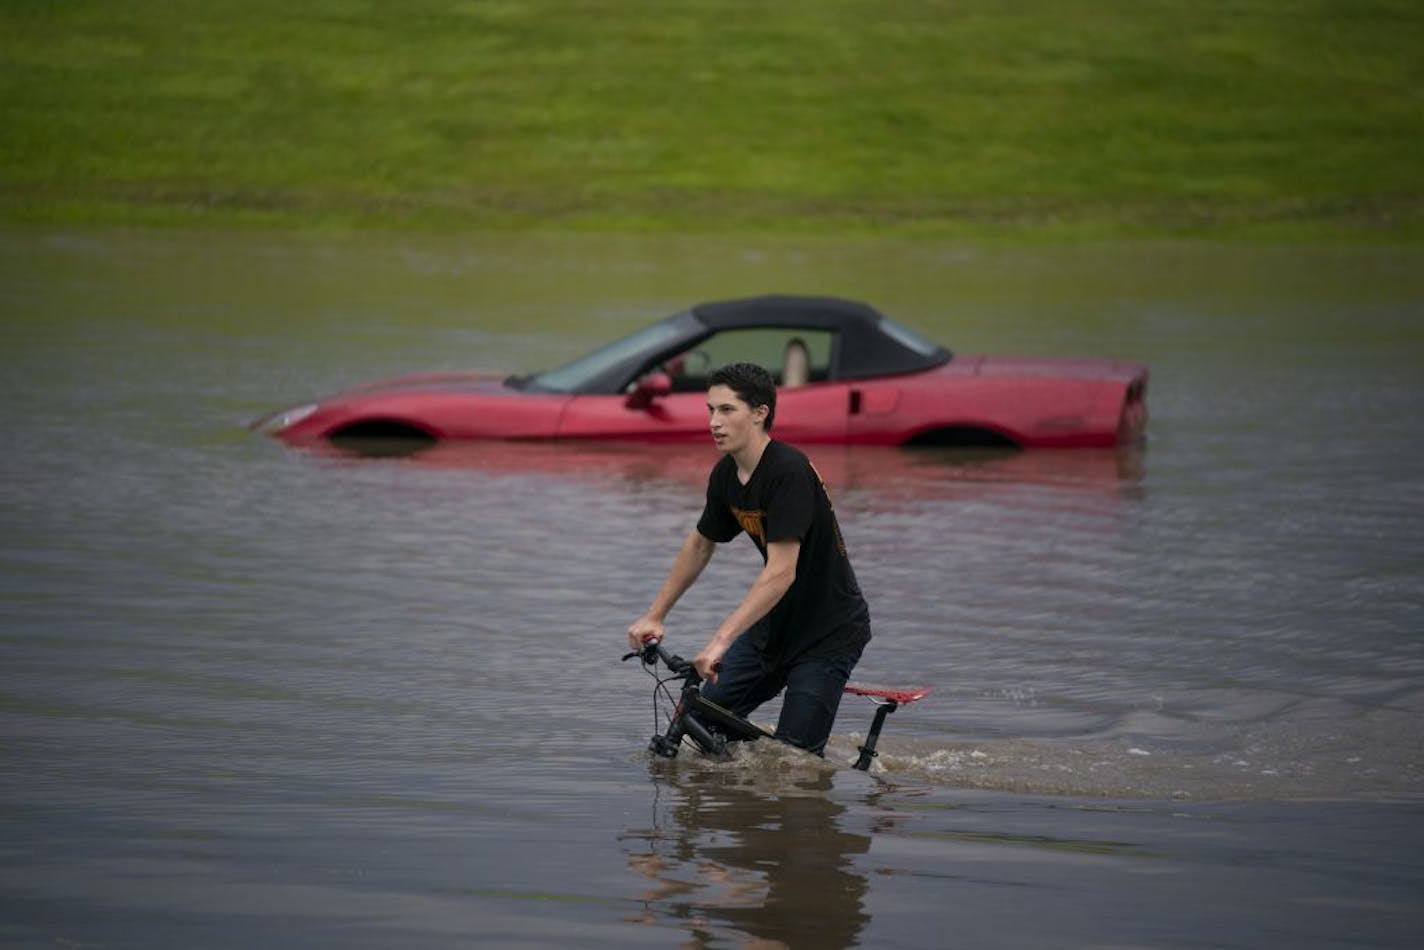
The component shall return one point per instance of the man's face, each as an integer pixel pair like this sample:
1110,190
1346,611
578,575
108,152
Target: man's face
734,424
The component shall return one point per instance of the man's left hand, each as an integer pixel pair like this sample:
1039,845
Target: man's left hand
709,660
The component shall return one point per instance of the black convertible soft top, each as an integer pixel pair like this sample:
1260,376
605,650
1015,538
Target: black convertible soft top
867,343
870,344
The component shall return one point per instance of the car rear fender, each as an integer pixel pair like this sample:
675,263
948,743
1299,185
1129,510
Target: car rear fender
1122,406
948,406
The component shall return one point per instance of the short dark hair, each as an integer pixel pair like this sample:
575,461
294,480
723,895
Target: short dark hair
752,384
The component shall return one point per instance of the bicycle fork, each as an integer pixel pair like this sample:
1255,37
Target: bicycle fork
683,723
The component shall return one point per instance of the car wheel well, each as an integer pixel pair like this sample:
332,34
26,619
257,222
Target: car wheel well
962,437
382,437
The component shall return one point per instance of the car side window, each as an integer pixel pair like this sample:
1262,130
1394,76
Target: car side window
794,357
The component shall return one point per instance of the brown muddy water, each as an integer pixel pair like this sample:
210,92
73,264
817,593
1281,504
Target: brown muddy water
257,696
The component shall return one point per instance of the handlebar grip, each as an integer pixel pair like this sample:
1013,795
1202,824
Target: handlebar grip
648,654
653,651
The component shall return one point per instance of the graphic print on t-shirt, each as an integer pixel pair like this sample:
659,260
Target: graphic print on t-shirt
753,523
840,541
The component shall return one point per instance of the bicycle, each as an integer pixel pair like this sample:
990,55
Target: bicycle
713,728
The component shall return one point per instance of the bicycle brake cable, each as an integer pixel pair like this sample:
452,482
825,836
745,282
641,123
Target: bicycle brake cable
660,687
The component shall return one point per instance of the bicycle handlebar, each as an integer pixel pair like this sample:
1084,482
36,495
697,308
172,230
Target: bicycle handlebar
653,650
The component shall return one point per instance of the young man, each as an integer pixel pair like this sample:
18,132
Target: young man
803,623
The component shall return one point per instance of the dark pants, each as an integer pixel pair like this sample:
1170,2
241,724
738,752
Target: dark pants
813,685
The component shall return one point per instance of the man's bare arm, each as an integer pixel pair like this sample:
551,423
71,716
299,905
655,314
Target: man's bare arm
696,551
766,592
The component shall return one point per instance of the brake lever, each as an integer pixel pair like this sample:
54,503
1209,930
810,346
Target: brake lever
648,654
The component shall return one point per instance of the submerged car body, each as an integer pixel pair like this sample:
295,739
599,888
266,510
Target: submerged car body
860,379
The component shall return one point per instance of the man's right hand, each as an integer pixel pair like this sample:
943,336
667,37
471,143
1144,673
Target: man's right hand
642,630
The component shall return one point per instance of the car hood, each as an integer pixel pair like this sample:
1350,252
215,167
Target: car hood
348,400
470,381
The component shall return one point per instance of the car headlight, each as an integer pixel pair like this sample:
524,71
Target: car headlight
285,419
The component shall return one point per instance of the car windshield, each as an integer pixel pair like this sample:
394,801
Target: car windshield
575,376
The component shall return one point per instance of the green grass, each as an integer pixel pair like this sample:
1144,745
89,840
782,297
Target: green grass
1270,119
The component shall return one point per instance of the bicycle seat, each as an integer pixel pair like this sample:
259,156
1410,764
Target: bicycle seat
903,695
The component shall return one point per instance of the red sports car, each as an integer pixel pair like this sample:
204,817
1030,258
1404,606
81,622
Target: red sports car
846,374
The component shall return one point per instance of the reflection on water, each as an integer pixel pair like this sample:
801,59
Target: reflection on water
733,854
889,475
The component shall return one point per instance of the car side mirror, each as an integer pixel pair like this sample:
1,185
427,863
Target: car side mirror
651,387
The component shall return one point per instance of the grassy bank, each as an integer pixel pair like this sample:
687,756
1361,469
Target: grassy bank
1278,119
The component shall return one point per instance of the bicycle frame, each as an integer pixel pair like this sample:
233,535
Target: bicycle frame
713,728
710,726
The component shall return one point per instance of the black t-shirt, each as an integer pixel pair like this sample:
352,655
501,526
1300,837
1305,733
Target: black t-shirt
785,499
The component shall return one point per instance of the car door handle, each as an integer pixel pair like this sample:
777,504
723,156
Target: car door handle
855,402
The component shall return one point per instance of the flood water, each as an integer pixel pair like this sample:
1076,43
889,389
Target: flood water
254,695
